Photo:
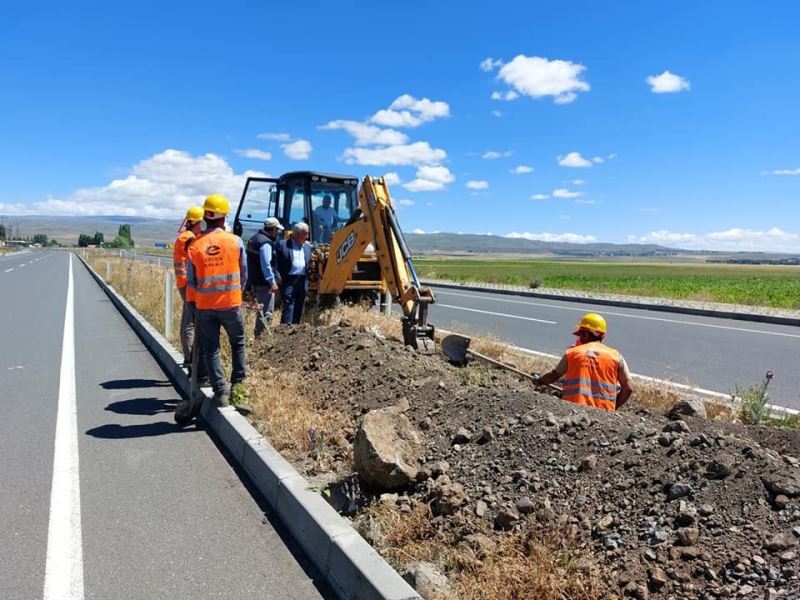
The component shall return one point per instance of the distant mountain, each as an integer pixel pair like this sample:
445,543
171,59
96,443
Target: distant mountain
452,243
146,232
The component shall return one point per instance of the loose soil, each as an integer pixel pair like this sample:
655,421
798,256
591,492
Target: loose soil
658,507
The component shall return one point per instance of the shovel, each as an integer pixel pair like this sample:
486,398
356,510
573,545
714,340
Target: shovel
456,349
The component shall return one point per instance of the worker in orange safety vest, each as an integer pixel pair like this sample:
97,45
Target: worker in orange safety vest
217,274
191,228
594,374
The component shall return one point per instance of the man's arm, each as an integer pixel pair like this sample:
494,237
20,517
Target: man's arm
624,377
555,374
265,257
242,263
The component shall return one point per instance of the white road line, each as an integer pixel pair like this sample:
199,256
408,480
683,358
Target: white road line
63,579
497,314
627,315
8,270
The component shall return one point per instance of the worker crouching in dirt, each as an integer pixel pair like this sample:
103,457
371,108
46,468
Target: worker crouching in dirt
218,273
594,374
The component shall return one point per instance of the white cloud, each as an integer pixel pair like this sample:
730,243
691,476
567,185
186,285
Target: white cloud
575,238
521,169
418,153
497,113
598,160
786,172
577,181
405,202
490,64
254,153
733,240
430,179
161,186
407,111
493,154
538,77
565,193
667,83
585,201
507,96
419,231
276,137
479,184
298,150
540,196
392,178
612,156
574,159
368,135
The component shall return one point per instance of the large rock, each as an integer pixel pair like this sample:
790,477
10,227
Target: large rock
784,483
693,407
427,580
387,450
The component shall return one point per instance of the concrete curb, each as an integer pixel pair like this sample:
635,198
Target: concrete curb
702,312
353,569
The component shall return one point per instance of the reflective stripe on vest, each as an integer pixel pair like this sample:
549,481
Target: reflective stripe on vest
591,376
215,261
179,258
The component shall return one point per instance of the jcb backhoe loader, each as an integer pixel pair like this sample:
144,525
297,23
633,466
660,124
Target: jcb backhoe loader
358,248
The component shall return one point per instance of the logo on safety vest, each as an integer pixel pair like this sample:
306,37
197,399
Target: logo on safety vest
346,246
212,250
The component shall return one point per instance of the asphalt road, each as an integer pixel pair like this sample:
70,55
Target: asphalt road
160,512
711,353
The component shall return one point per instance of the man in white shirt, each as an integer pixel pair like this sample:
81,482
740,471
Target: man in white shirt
292,257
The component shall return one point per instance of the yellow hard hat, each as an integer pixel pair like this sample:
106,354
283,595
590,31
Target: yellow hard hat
591,322
217,205
195,213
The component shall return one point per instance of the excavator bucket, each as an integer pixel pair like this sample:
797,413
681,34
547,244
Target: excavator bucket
455,348
419,337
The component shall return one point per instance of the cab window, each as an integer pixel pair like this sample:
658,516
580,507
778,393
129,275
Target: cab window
332,205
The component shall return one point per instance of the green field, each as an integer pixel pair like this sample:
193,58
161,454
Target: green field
756,285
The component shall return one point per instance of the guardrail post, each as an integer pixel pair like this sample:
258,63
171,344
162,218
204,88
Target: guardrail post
108,270
169,285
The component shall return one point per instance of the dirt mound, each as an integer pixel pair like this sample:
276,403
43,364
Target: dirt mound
667,508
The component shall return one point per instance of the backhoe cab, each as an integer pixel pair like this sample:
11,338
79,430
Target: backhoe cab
359,251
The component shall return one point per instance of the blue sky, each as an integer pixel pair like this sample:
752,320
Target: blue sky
144,108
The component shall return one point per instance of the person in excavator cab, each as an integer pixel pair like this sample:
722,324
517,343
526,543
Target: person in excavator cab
594,374
325,220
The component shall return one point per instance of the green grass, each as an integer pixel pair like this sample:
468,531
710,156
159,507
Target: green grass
756,285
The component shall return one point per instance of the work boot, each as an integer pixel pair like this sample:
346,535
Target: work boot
222,398
184,413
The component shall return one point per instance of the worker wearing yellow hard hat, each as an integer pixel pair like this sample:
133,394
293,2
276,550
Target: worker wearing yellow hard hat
594,374
189,230
217,269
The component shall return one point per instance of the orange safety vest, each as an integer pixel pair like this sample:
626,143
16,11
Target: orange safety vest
179,257
215,259
591,376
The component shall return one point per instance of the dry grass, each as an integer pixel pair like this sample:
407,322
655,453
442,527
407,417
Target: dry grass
513,566
286,413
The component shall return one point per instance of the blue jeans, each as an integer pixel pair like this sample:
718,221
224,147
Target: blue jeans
208,326
293,295
266,299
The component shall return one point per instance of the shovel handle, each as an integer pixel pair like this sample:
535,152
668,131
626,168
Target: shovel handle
511,368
